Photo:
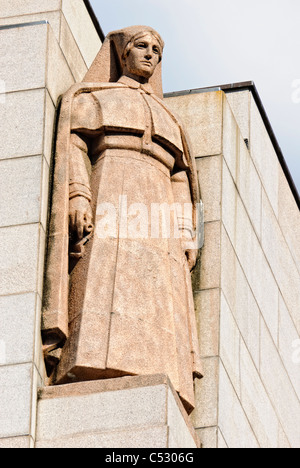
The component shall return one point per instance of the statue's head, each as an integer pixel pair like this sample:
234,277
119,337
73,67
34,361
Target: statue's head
142,54
135,51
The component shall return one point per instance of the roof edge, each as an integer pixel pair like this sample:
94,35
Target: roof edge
242,86
94,20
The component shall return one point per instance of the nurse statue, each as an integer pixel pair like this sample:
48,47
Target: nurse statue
122,236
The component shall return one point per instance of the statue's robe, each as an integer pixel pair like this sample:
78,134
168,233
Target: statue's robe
129,307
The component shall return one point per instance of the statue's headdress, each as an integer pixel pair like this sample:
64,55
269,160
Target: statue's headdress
107,66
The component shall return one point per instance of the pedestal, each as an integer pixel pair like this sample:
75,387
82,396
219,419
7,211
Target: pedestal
129,412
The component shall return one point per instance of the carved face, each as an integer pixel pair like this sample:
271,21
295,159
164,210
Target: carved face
143,56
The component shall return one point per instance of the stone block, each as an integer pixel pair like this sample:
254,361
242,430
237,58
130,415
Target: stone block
287,336
221,441
59,77
240,106
206,393
53,18
23,61
210,258
208,437
49,129
24,442
249,253
279,388
201,115
143,437
256,403
242,169
17,328
15,409
179,435
239,297
231,134
44,197
264,155
71,52
19,260
210,177
230,344
24,113
281,261
80,22
233,422
289,218
207,304
18,7
124,410
282,440
20,190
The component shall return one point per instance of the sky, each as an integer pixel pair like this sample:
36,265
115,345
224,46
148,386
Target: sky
214,42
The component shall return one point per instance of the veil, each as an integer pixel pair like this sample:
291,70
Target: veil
107,66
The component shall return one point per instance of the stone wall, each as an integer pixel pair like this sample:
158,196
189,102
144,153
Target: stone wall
247,290
44,49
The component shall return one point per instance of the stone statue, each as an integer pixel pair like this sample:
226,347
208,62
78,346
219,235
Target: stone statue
118,296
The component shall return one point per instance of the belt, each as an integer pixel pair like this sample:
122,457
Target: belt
122,144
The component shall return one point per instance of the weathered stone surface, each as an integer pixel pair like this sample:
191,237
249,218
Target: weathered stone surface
24,112
15,406
289,218
240,298
288,337
19,260
250,253
208,437
202,116
281,261
233,422
16,443
72,52
79,22
18,7
207,304
210,257
242,168
17,341
210,177
279,388
20,185
256,403
230,345
264,155
130,412
239,102
206,411
59,77
26,47
221,441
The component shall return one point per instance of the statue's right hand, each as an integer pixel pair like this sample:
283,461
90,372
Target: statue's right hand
80,216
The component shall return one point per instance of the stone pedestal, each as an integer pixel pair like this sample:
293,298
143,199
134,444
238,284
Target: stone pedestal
130,412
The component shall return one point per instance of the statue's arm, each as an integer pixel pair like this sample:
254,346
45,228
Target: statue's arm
80,212
182,198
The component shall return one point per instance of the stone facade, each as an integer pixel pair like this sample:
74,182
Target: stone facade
246,288
44,50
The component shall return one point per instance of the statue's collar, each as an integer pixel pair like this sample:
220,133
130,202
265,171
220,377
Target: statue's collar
131,83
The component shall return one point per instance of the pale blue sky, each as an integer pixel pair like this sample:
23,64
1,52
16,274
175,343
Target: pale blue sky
226,41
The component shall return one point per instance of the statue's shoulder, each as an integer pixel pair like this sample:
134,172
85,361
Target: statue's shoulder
84,89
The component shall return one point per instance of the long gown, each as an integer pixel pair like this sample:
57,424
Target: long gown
131,308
